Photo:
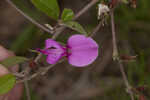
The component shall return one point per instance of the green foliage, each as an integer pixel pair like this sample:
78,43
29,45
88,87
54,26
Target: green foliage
116,94
50,7
67,15
75,26
14,60
33,95
25,40
135,23
7,82
125,1
23,5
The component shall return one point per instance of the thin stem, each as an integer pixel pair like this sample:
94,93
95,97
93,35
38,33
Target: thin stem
125,80
49,67
96,29
27,90
41,71
29,18
37,58
115,51
86,8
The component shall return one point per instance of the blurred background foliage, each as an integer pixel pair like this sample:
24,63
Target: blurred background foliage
104,81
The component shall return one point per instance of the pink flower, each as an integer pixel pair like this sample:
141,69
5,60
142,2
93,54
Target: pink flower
80,50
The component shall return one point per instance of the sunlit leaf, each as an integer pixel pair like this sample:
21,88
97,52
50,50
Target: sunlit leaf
7,82
67,15
11,61
75,26
50,7
125,1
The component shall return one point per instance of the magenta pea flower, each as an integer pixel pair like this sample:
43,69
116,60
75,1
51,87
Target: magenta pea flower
80,50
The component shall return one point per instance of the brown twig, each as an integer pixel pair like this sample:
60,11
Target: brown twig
116,55
96,29
29,18
41,71
27,90
115,49
87,7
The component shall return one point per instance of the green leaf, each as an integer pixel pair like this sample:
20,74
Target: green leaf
50,7
25,40
14,60
7,82
67,15
125,1
75,26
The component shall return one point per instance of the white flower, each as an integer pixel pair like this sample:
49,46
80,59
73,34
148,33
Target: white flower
102,9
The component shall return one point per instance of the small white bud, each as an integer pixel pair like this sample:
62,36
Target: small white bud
102,9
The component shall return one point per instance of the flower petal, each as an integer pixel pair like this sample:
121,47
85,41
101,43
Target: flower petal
83,50
52,43
54,54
